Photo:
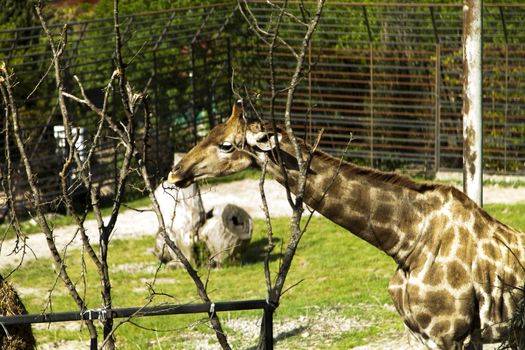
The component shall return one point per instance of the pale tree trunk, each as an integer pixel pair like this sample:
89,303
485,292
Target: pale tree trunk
226,233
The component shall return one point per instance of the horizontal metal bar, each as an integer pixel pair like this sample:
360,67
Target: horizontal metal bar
125,17
161,310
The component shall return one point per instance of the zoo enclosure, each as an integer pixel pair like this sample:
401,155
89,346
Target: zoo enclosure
391,74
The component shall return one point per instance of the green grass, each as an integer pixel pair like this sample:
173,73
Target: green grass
512,215
338,272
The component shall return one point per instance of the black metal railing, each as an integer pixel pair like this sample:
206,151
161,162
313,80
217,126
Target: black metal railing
161,310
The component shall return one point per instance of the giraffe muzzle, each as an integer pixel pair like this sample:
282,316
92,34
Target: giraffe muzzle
178,180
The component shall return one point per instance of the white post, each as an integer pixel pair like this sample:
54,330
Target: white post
472,101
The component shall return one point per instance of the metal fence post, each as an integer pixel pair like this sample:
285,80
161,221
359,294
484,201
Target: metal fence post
268,327
506,107
193,93
309,134
437,95
230,72
157,123
506,110
372,126
206,73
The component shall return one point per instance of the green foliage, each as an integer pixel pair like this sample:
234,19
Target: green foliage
507,213
16,14
104,8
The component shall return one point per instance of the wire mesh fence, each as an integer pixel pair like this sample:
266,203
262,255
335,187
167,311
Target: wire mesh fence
390,74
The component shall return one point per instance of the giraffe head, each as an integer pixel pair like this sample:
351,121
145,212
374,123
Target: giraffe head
228,149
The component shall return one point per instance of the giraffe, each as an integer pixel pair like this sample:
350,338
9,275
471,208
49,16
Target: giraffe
457,267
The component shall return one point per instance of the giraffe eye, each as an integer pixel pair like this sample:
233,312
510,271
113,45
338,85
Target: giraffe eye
226,147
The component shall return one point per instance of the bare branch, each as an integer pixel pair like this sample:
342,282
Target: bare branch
100,112
288,13
261,33
301,151
269,229
303,164
36,199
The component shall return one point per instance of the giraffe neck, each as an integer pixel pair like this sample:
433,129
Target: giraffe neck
384,209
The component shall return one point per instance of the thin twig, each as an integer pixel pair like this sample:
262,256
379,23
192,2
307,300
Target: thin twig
36,197
288,14
269,229
251,19
303,158
296,232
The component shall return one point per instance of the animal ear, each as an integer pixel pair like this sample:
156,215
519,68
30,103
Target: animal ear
236,111
263,140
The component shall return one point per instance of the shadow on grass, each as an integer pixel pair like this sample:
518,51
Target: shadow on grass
288,334
291,333
256,251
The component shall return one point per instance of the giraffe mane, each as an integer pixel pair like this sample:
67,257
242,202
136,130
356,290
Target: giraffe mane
394,179
372,174
380,176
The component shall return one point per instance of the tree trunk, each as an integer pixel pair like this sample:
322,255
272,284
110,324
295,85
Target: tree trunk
227,233
183,215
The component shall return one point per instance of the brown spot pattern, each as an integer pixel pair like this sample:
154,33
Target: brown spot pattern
423,319
435,277
441,327
447,242
439,302
456,275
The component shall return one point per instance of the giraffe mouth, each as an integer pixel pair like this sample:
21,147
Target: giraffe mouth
178,180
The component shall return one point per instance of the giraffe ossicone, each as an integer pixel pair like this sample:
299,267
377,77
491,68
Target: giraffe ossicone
458,268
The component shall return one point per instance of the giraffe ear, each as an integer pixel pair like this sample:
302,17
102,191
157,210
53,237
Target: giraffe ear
265,141
236,112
